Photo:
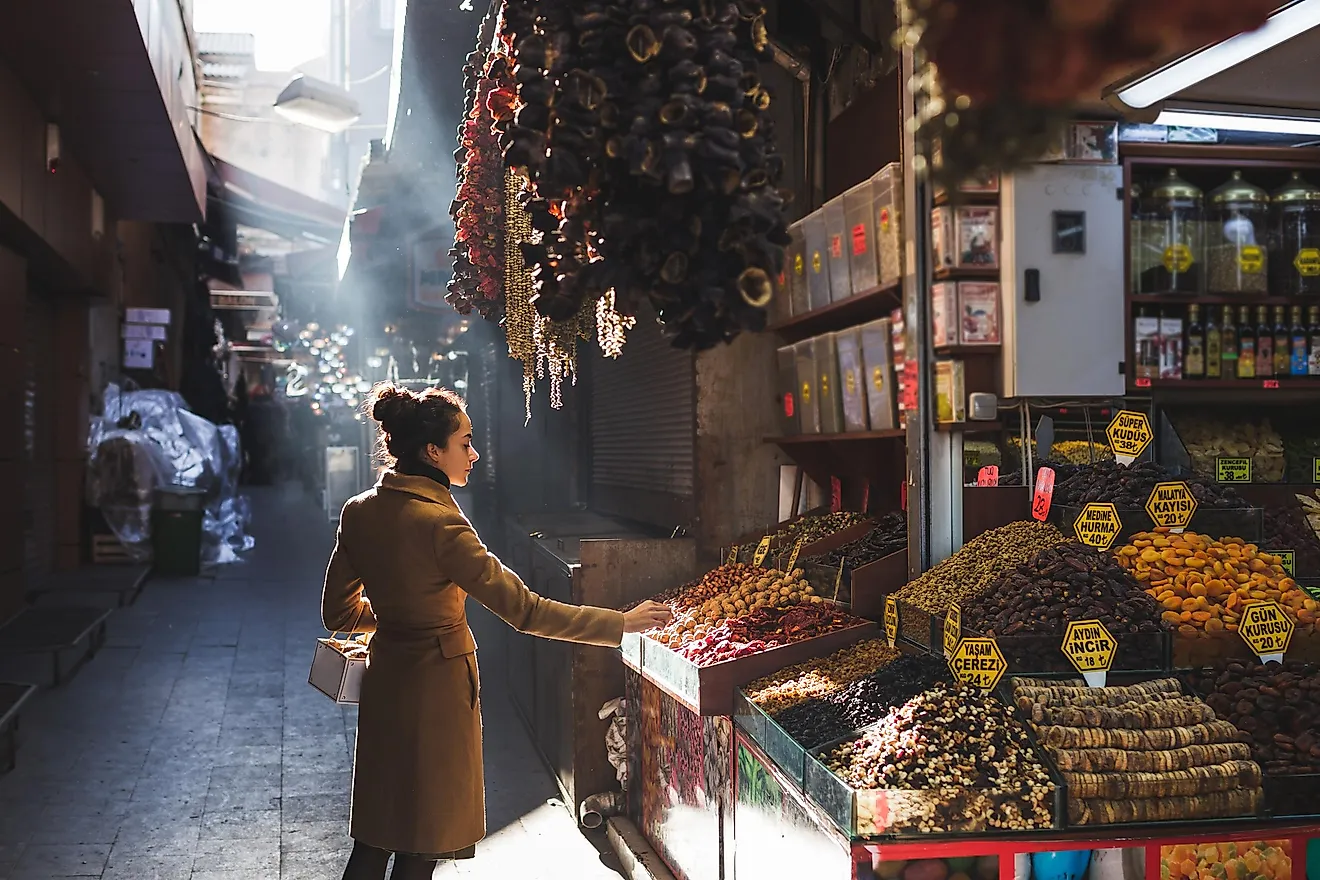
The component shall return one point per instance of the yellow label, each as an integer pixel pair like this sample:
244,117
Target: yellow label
799,264
850,383
806,392
1129,434
1288,559
824,385
761,550
952,630
1251,259
792,558
1098,525
1171,505
1177,258
891,620
816,262
1233,470
1266,628
878,380
733,554
1307,262
979,663
1089,646
1315,470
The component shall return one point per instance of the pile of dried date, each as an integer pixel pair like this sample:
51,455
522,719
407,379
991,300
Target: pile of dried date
767,628
1129,486
1276,705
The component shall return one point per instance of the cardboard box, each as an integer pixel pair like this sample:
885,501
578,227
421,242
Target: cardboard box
848,344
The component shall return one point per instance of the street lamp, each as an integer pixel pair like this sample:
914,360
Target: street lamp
319,104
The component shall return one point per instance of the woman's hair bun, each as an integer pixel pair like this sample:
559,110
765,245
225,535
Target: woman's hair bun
394,407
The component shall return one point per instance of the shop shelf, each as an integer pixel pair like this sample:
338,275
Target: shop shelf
873,582
876,302
1293,797
747,545
709,690
1246,523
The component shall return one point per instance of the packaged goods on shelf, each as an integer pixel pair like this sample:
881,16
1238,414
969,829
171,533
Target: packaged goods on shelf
949,759
799,294
943,238
878,367
829,394
790,422
836,233
799,683
862,243
967,573
809,412
815,248
1028,608
1208,439
1142,753
887,199
852,379
977,237
950,391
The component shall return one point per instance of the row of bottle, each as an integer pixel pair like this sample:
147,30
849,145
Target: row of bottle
1228,343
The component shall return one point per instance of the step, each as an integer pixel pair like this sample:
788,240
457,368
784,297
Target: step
12,697
103,586
70,635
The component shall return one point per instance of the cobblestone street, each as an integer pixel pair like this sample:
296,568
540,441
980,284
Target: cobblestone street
193,747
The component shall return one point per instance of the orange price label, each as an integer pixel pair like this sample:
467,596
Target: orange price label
988,475
1044,494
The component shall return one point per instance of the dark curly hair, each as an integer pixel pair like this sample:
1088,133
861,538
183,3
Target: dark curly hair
410,420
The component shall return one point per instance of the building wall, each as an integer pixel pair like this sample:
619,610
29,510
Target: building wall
370,51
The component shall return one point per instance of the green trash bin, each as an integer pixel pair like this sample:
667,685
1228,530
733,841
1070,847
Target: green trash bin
176,531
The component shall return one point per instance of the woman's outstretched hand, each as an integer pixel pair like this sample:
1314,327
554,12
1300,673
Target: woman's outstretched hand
647,615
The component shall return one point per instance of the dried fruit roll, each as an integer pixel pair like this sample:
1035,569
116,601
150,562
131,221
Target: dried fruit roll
1228,776
1088,696
1170,713
1099,811
1139,740
1163,761
1024,682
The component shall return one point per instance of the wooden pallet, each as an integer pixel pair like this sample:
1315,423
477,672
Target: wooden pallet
107,550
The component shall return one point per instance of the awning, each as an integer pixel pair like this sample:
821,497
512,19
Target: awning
264,204
1262,81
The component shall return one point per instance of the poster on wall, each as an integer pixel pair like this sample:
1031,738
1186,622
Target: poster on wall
139,354
431,271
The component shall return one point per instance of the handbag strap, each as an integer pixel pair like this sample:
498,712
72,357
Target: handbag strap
362,609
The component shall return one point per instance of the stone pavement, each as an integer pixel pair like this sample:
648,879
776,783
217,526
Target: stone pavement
193,747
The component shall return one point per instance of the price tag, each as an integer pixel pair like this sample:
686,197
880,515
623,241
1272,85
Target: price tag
1270,384
1178,258
1315,470
1098,525
836,495
859,239
1267,629
1090,648
1233,470
952,630
733,554
988,475
891,621
1171,506
1040,501
1251,258
1129,433
1142,383
761,550
978,663
1287,559
792,557
1307,262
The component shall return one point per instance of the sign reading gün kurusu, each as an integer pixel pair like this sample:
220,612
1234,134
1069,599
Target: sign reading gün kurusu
1267,629
1171,505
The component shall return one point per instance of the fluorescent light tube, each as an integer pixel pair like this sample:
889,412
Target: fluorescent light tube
1187,72
1233,122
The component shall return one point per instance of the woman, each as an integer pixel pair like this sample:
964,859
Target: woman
404,563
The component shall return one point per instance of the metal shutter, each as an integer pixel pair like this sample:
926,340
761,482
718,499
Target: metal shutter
643,430
38,440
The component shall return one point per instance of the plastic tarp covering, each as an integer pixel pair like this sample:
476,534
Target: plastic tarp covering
144,440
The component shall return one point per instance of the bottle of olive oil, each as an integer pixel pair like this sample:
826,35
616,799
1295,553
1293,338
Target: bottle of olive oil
1229,344
1194,348
1282,344
1297,362
1213,350
1264,343
1246,362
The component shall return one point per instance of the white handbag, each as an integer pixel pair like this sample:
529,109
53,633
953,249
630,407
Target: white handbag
338,664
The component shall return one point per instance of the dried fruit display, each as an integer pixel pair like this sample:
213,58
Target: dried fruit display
643,132
1207,439
1130,486
1287,528
1277,705
1142,753
764,629
727,592
1262,860
796,684
888,536
968,763
1202,584
814,527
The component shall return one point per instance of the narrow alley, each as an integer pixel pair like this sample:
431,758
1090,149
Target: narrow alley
192,746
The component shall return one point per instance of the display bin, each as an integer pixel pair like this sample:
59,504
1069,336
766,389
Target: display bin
863,251
788,754
1207,649
1246,523
747,543
1292,797
892,813
920,628
709,690
873,582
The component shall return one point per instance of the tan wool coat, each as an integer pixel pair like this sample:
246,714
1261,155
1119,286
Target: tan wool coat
404,563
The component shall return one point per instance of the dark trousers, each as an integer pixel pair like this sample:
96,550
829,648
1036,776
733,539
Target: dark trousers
369,863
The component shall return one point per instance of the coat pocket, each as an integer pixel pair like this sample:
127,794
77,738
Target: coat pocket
457,643
474,678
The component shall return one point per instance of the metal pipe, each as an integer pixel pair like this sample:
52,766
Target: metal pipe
599,807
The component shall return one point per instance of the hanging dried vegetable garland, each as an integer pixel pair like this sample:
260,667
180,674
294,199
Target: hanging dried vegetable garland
643,130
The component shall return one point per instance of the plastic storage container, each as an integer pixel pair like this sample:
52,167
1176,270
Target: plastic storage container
829,392
1236,238
1295,249
887,200
878,372
863,256
836,236
789,422
808,401
848,344
817,260
1168,238
798,295
176,531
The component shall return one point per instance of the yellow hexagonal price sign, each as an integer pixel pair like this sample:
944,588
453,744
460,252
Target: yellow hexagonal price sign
979,663
1098,525
1089,646
1267,629
1129,434
1171,505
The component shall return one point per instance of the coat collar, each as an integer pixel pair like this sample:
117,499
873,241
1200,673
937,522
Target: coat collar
423,487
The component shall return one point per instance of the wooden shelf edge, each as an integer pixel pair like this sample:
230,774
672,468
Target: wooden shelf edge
969,427
967,274
853,437
992,349
825,317
1221,299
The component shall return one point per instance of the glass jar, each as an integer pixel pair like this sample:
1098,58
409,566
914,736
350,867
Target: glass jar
1296,240
1168,238
1236,234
